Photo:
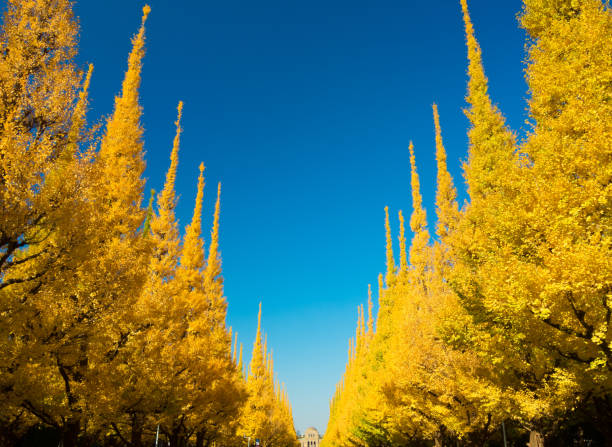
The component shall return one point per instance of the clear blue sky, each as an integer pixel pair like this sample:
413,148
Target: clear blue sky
304,111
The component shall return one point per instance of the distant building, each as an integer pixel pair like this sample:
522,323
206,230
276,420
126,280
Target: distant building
310,438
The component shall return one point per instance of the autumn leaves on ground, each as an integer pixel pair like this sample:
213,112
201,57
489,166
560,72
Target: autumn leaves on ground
492,329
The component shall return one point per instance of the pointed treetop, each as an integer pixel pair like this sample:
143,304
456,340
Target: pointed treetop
146,9
271,366
258,366
164,226
266,357
167,199
358,329
213,281
402,243
370,316
240,364
213,264
362,328
389,249
418,220
259,322
132,79
446,194
127,109
491,143
382,302
121,154
265,347
235,353
478,83
193,245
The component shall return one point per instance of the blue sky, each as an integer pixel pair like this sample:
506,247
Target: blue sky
304,112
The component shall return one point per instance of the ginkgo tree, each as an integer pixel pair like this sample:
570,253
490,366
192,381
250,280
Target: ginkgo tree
112,321
267,414
499,328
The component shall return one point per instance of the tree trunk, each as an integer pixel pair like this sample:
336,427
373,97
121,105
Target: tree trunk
70,434
438,441
602,416
536,439
110,441
173,438
199,439
136,435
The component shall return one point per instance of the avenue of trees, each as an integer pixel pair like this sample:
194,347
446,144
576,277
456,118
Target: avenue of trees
496,330
112,319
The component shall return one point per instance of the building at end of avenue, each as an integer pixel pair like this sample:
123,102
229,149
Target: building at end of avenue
310,438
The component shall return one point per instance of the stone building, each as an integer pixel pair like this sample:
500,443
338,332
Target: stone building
310,438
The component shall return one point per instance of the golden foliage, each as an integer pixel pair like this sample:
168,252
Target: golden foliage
112,323
267,414
504,317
